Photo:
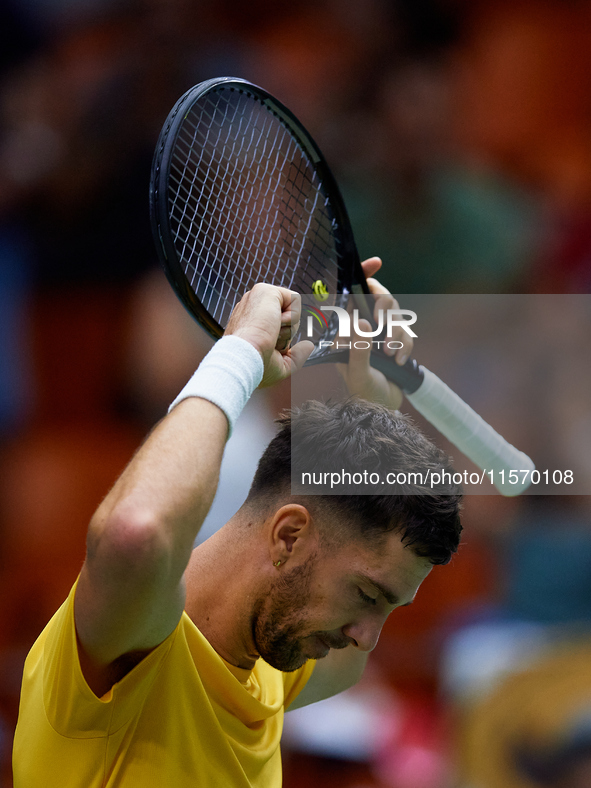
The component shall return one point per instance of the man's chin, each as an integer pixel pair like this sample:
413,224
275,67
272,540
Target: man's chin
285,665
287,659
319,647
311,647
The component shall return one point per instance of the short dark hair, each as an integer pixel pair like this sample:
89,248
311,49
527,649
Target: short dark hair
352,436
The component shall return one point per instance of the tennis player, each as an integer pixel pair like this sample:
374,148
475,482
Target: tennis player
173,666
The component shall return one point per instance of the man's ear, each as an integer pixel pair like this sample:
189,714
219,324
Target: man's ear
291,534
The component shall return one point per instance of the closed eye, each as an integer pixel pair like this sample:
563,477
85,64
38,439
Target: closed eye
367,599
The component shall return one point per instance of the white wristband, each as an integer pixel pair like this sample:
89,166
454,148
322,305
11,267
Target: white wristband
227,376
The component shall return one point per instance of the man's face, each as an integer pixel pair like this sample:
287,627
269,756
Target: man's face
335,598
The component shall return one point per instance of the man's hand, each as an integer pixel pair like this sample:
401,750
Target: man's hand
361,378
266,316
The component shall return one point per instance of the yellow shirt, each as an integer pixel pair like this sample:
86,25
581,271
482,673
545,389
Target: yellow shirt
182,717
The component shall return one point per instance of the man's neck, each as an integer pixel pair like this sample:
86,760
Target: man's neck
220,600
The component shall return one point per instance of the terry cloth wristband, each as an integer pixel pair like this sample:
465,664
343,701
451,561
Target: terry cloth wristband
227,376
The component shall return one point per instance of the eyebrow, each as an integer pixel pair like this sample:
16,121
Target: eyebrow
390,597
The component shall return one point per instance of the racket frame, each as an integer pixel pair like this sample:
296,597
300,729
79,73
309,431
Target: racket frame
350,273
438,404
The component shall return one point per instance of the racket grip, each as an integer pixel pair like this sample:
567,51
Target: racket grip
408,377
472,435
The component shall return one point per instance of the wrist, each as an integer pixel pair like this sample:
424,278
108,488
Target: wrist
227,376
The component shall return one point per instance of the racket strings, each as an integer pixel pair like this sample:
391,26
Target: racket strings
236,210
246,204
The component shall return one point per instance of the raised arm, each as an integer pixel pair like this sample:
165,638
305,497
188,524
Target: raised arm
130,595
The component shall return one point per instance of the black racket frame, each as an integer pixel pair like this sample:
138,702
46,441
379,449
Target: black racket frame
351,279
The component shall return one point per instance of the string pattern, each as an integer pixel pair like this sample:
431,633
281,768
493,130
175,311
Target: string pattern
246,204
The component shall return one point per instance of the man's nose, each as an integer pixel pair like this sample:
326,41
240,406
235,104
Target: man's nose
364,635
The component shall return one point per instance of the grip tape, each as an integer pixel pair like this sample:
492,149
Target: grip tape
463,427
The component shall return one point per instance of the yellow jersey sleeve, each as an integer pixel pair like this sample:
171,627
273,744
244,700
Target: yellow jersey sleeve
71,707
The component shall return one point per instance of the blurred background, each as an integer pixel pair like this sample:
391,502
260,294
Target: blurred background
460,133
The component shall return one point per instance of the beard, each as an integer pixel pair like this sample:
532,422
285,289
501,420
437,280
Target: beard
280,626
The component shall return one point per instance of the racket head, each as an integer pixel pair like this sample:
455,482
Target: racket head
240,193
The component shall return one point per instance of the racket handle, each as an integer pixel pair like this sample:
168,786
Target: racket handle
471,434
409,376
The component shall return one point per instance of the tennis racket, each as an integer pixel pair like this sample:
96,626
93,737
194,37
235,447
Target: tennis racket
240,193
